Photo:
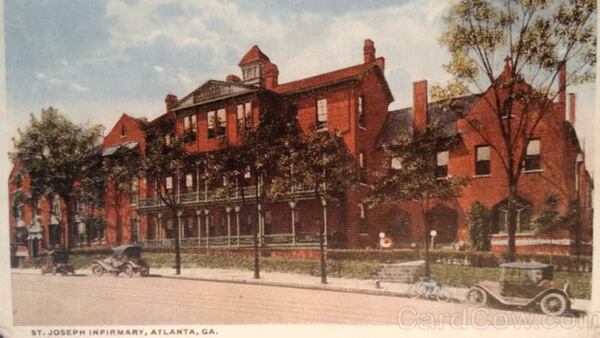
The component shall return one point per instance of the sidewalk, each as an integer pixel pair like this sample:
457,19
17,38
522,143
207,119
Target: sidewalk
302,281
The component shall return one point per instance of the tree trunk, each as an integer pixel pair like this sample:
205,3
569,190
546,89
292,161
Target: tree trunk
177,243
70,221
512,226
427,271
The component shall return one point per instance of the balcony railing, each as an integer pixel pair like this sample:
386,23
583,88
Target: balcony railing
216,196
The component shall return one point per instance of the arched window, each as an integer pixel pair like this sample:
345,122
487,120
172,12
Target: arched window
521,215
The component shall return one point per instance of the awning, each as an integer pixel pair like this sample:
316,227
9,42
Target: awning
111,150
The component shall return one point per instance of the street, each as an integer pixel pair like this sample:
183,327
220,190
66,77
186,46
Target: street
88,300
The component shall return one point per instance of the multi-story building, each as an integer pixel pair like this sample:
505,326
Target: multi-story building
354,103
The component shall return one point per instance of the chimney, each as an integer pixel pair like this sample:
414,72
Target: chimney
232,78
562,86
572,97
271,75
420,114
369,51
380,61
170,101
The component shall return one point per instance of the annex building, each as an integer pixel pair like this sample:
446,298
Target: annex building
353,102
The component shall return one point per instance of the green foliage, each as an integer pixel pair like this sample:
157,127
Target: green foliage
416,180
480,227
54,152
549,219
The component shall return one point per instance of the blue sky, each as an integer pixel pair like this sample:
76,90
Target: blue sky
94,60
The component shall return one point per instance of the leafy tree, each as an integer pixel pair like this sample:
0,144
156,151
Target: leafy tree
479,224
549,220
164,158
416,181
56,154
120,169
535,38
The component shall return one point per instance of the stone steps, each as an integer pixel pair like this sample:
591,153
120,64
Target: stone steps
400,272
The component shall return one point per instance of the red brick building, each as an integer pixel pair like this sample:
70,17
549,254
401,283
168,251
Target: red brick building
354,102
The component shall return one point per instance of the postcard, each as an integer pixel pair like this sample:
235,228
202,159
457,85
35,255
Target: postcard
178,168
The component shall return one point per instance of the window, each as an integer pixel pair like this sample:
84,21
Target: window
211,117
532,158
123,130
396,163
482,162
268,222
133,198
441,167
244,116
189,128
168,139
361,210
189,181
522,217
361,160
217,123
321,114
360,109
169,183
221,122
247,173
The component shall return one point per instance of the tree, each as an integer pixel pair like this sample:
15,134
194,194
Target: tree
261,153
536,39
479,224
56,154
321,161
416,180
549,220
121,169
163,160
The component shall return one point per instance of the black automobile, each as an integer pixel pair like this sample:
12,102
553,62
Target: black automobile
57,262
126,259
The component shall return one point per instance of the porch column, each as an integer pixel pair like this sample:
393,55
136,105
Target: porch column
228,212
237,223
324,204
206,184
199,220
206,211
198,184
293,206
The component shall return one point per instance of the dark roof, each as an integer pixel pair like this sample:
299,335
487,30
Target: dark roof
400,121
336,76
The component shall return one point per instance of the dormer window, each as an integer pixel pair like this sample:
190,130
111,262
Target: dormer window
322,114
252,72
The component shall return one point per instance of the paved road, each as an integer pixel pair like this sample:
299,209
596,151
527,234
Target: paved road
88,300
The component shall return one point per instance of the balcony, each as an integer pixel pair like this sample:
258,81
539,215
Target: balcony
201,198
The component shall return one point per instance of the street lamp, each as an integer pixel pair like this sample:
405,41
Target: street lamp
433,233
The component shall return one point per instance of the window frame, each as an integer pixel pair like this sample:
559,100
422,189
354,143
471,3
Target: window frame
321,124
441,171
478,162
534,159
360,111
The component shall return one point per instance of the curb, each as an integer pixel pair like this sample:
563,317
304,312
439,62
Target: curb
295,286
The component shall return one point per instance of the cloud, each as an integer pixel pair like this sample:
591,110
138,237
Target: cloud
78,88
40,76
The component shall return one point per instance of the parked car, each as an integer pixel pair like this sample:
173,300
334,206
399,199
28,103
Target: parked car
57,262
125,259
524,285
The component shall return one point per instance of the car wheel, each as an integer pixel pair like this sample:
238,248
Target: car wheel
144,272
477,296
97,270
128,270
554,304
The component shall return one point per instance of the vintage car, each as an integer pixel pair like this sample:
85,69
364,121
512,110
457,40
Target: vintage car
57,262
125,259
523,285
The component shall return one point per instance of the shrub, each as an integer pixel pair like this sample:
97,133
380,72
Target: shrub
479,225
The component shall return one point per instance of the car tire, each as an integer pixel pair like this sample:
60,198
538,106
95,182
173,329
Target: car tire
477,296
128,270
144,272
554,304
97,270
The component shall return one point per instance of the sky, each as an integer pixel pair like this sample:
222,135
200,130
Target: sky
97,59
